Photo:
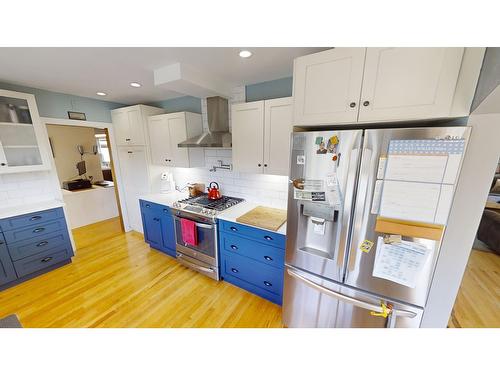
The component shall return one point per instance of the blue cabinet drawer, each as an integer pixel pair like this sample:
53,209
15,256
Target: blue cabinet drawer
264,236
253,272
43,260
31,219
35,231
154,207
23,249
269,255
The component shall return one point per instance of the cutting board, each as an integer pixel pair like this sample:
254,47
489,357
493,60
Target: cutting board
264,217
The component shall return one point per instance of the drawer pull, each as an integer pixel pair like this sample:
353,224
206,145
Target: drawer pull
268,238
38,230
267,257
234,247
45,260
37,217
43,243
1,242
147,206
156,219
234,229
267,283
165,210
234,270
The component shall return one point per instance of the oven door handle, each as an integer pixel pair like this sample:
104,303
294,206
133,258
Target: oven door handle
190,264
205,226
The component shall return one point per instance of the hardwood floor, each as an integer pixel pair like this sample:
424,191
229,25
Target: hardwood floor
478,300
116,280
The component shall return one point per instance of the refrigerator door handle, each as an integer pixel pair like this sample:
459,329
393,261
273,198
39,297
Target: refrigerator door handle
353,301
361,202
346,217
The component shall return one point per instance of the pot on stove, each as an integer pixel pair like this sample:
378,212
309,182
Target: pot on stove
213,191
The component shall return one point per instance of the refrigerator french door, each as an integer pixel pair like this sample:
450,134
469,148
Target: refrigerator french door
342,291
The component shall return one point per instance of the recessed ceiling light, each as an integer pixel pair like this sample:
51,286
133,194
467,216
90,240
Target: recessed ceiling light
100,93
135,84
245,54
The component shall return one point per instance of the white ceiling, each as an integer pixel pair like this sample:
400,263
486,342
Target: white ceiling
85,71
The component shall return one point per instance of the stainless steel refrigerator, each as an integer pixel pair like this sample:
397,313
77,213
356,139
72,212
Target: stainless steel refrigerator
340,193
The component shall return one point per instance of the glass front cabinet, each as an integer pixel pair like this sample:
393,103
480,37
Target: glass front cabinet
23,138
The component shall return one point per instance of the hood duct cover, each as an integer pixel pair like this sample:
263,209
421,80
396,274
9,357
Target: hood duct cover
218,126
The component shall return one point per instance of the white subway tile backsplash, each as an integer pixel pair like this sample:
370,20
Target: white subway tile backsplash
262,189
23,188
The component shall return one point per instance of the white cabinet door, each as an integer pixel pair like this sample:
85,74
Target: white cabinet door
409,83
327,86
159,137
121,127
134,168
136,127
247,121
178,134
277,131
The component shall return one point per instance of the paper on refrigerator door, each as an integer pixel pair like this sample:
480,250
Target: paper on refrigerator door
400,262
416,168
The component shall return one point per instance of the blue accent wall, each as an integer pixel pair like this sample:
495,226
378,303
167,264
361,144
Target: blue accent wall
184,103
57,105
278,88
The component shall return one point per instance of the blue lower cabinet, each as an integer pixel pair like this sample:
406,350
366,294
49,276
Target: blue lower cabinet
158,226
249,262
33,244
7,272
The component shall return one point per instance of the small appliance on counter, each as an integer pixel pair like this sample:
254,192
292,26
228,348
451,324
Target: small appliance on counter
196,189
167,183
77,184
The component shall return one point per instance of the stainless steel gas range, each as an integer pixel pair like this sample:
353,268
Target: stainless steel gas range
204,256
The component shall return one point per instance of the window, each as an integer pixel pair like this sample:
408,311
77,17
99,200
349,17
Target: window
103,150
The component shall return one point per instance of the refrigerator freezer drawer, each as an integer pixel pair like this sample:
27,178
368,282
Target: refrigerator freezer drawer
310,301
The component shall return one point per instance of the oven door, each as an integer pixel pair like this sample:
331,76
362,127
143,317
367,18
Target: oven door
206,249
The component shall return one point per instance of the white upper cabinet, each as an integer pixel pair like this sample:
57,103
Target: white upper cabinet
24,145
129,124
277,132
409,83
247,121
261,136
167,131
327,85
349,85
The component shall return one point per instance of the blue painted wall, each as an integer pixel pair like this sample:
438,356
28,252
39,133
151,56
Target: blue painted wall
279,88
184,103
54,104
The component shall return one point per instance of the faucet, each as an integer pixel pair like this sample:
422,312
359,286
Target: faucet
228,167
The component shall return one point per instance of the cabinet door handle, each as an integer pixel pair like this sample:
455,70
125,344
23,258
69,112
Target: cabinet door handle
260,165
147,206
156,219
268,258
265,165
1,242
45,260
43,243
268,238
234,247
165,210
127,139
3,164
38,230
129,152
366,103
267,283
234,270
352,104
37,217
234,229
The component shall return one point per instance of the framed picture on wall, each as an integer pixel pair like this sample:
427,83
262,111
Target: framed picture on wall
77,116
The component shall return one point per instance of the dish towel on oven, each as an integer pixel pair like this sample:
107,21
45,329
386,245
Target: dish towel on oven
189,235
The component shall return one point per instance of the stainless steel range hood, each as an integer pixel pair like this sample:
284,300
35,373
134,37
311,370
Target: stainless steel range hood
218,126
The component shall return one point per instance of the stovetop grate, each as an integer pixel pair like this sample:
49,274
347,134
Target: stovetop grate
218,205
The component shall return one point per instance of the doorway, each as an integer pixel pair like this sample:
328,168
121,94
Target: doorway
84,165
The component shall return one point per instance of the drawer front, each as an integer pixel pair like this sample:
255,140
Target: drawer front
35,218
264,236
7,272
269,255
43,260
253,272
35,231
23,249
147,206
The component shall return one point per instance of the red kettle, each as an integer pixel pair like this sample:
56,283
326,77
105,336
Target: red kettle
213,191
